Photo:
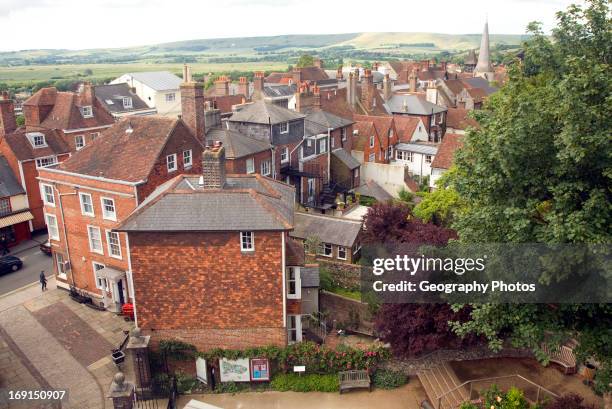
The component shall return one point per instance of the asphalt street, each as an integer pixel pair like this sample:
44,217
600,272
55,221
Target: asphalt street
33,262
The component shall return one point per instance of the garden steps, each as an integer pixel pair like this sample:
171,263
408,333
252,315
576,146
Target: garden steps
439,380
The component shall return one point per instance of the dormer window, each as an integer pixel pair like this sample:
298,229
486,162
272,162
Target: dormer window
37,139
87,111
127,102
284,127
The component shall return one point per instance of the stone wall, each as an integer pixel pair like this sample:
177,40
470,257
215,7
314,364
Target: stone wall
342,311
344,275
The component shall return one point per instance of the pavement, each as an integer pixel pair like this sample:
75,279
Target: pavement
48,341
34,261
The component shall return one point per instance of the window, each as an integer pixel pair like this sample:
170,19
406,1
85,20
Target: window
372,157
114,244
285,155
47,194
87,208
187,159
325,250
441,118
87,111
61,266
343,133
372,141
94,135
403,155
246,241
294,285
250,165
95,239
390,152
265,168
79,142
322,145
284,127
171,97
45,162
428,158
294,328
341,253
356,171
390,133
37,139
52,227
333,142
101,282
127,102
5,206
171,162
108,209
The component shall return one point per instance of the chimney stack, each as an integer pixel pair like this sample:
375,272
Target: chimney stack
192,105
243,87
317,98
432,92
86,95
339,75
297,76
367,89
386,87
412,81
258,85
8,123
213,167
222,86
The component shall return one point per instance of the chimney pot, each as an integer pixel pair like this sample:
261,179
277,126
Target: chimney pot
213,167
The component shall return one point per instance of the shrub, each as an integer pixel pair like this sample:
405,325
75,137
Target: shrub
387,379
571,401
468,405
305,383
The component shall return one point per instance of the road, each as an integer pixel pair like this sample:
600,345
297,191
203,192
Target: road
33,262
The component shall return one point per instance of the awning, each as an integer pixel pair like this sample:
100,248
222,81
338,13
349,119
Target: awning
110,274
15,219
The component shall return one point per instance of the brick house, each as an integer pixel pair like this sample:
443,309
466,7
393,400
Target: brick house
93,191
432,115
243,154
14,212
374,139
235,282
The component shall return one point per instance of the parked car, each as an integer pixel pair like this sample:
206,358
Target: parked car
46,247
9,264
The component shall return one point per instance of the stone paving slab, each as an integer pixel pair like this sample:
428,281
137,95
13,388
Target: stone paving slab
74,334
56,365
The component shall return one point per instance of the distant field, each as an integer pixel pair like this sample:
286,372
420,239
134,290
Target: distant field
33,73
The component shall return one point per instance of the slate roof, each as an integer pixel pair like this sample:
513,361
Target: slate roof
411,104
479,82
123,155
417,148
279,91
373,189
115,94
23,149
328,229
328,120
245,203
314,128
405,127
158,80
260,112
310,276
346,158
446,151
457,118
9,186
237,145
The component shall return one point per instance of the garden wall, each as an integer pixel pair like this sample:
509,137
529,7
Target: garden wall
344,275
346,313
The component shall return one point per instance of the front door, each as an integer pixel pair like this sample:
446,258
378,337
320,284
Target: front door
120,292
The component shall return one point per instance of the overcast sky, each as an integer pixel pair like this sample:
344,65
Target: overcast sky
77,24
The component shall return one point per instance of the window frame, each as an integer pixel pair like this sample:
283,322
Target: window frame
323,250
175,166
247,237
44,194
52,236
372,157
170,97
87,111
83,212
129,104
297,281
5,206
284,127
187,164
91,228
372,141
104,213
52,158
264,164
285,153
250,169
109,247
322,142
93,265
343,134
61,266
345,253
79,142
42,143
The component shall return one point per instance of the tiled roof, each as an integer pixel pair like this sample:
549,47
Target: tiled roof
328,120
405,127
328,229
245,203
121,154
457,118
313,74
9,186
236,144
111,96
335,102
23,149
276,77
260,112
346,158
364,130
446,151
158,80
382,123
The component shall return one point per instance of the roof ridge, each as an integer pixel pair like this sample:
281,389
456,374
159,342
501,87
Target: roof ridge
257,197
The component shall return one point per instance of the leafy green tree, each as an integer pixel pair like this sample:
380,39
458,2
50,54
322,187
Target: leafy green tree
539,170
306,60
20,119
441,205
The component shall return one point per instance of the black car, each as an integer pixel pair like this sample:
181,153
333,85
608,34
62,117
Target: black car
9,264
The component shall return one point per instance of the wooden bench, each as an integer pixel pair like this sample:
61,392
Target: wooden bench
563,356
354,379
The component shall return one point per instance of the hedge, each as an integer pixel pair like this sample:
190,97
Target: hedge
305,383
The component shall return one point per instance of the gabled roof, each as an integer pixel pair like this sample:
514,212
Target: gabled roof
260,112
111,97
382,123
328,229
446,151
412,105
364,129
245,203
277,77
313,74
405,127
23,149
121,154
158,80
457,118
236,145
9,186
344,157
328,120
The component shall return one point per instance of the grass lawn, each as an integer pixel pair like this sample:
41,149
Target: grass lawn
355,295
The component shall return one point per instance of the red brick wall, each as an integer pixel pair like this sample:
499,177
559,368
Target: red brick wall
69,138
238,166
200,286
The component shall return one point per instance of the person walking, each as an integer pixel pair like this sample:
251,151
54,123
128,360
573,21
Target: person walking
43,280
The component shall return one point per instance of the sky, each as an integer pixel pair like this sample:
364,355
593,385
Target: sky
79,24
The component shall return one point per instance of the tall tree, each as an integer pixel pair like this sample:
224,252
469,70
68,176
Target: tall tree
306,60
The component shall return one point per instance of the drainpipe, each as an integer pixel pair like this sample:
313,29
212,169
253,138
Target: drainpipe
66,230
329,155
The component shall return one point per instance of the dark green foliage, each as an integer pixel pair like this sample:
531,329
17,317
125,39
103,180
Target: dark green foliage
305,383
387,379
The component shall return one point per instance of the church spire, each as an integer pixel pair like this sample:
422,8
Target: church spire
484,61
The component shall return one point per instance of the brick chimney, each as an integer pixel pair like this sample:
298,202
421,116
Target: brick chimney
297,76
222,86
375,66
213,167
386,87
258,85
367,89
8,123
349,89
243,87
316,92
339,75
86,95
412,81
354,87
192,104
